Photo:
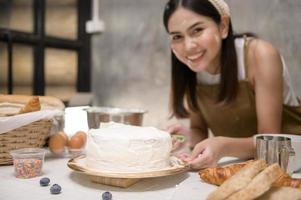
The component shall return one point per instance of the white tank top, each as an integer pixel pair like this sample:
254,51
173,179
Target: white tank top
289,95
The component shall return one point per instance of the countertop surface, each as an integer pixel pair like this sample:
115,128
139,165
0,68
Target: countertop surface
75,185
78,186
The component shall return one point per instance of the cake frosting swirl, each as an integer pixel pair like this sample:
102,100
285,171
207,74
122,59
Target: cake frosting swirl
125,148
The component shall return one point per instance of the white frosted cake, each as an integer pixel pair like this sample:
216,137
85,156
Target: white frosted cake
125,148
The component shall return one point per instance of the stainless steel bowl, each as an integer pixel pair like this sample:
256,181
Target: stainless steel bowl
95,115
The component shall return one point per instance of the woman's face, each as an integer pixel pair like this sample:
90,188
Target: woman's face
196,40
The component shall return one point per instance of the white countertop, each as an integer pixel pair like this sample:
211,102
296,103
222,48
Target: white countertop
78,186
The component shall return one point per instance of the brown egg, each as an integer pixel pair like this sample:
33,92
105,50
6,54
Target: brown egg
82,135
57,142
62,133
78,140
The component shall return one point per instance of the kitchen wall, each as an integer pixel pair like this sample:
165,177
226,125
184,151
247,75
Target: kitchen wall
131,59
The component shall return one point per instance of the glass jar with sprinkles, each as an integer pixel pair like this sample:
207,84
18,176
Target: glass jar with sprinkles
28,162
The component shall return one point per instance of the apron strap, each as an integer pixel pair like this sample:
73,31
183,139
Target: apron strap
246,45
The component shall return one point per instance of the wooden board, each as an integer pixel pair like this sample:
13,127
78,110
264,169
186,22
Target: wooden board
123,179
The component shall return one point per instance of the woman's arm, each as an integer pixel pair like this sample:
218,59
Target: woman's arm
198,129
265,67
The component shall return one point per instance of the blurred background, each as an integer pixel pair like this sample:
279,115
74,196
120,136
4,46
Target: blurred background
116,52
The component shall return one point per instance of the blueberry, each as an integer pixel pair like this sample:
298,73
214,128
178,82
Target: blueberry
44,181
106,196
55,189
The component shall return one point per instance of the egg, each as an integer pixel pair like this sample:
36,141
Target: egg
57,142
62,133
78,140
82,135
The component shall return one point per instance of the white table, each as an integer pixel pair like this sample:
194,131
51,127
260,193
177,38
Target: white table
78,186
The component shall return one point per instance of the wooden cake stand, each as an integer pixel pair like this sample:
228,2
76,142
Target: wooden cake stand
122,179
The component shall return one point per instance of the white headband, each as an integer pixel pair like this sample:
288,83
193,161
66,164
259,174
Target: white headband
221,6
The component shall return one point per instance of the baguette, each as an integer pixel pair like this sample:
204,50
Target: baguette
281,193
238,181
259,184
47,102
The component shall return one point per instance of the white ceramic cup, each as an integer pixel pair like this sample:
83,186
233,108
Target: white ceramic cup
295,165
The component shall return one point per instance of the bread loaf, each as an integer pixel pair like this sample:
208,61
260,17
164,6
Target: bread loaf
217,175
282,193
260,184
238,181
11,104
46,101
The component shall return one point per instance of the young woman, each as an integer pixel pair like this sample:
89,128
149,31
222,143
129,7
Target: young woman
234,86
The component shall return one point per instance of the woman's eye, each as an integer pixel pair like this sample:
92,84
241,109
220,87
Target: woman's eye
197,30
176,37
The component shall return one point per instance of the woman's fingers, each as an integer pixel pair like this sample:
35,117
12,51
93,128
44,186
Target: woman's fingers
201,156
184,156
176,145
197,150
199,162
174,128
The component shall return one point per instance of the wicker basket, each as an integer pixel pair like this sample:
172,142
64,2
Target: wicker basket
31,135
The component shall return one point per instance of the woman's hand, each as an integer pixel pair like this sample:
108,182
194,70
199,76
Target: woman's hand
178,129
209,151
205,154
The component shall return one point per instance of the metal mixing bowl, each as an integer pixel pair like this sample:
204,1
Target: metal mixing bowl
95,115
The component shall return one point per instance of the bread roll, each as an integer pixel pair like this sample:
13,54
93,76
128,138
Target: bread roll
238,181
32,105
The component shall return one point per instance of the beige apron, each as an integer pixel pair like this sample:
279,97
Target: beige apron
238,118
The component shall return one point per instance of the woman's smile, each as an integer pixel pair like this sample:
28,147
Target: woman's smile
195,58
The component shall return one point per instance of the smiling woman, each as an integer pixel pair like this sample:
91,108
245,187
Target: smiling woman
234,85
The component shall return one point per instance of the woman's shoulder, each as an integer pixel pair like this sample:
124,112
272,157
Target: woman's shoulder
263,58
262,49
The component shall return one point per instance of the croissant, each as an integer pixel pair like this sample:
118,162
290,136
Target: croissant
217,175
286,180
32,105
